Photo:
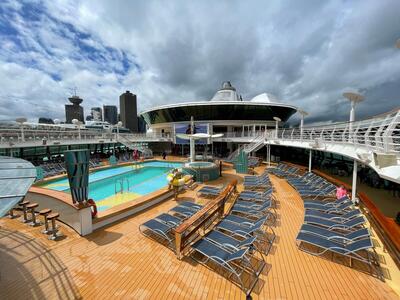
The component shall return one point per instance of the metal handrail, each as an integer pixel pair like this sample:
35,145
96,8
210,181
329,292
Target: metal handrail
380,134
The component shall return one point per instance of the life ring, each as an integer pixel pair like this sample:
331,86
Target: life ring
94,207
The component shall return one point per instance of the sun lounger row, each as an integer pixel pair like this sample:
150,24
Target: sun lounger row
232,242
336,226
237,244
284,170
257,181
161,227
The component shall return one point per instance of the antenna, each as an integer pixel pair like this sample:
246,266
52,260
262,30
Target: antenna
73,91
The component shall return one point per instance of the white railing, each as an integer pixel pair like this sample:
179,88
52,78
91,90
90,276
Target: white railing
14,137
256,143
380,134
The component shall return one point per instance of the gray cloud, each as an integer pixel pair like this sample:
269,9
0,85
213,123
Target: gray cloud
305,52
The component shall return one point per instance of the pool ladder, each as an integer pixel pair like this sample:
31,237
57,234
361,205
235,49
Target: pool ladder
120,183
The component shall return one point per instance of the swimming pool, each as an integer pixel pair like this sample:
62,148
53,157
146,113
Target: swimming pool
118,185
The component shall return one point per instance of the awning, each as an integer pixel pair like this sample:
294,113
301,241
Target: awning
16,177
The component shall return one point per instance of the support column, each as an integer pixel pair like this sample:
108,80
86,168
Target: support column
354,183
309,161
269,155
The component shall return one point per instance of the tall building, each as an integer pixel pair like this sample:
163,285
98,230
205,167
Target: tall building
74,110
97,114
110,114
128,111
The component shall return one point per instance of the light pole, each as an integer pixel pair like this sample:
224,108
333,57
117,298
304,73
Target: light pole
302,114
77,123
21,122
277,120
354,98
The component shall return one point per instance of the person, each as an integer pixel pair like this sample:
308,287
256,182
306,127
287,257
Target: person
164,155
340,192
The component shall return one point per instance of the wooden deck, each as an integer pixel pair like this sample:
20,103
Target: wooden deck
119,262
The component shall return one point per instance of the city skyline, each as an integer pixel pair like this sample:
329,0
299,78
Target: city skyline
307,54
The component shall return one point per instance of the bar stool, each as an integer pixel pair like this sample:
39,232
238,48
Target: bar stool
53,217
11,214
24,204
32,207
44,213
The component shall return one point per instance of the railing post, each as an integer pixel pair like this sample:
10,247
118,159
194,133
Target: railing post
387,136
354,183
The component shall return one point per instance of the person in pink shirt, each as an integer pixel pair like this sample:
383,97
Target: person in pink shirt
340,192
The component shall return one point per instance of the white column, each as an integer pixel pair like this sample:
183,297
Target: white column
301,127
269,155
352,118
276,129
309,161
192,150
22,133
354,183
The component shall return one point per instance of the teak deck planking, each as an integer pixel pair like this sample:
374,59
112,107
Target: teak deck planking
118,262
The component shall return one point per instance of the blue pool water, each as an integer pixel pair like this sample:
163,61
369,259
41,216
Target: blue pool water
118,185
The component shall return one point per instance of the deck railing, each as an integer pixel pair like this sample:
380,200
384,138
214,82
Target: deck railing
379,134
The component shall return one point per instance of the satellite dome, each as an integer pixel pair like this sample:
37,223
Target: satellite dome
265,98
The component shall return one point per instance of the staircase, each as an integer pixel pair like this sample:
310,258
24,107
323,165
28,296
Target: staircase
256,144
147,153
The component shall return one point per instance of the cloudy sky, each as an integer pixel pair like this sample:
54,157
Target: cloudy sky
305,52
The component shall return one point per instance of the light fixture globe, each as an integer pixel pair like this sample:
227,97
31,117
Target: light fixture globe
277,119
21,120
75,121
353,96
119,124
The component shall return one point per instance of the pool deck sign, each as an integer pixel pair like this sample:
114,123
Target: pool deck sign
77,165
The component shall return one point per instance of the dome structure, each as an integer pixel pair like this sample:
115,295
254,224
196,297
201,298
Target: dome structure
265,98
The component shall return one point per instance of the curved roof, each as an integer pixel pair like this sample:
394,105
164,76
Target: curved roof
218,111
225,105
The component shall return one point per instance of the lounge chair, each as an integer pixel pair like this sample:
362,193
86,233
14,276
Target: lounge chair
183,211
348,225
347,215
246,222
351,250
169,219
209,191
235,263
191,205
348,205
325,205
244,232
159,229
334,235
227,242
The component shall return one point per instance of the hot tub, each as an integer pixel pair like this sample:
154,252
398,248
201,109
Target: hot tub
202,170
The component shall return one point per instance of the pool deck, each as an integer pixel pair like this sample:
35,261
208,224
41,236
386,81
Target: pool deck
117,262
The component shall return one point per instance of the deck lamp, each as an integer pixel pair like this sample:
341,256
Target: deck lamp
354,98
302,114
